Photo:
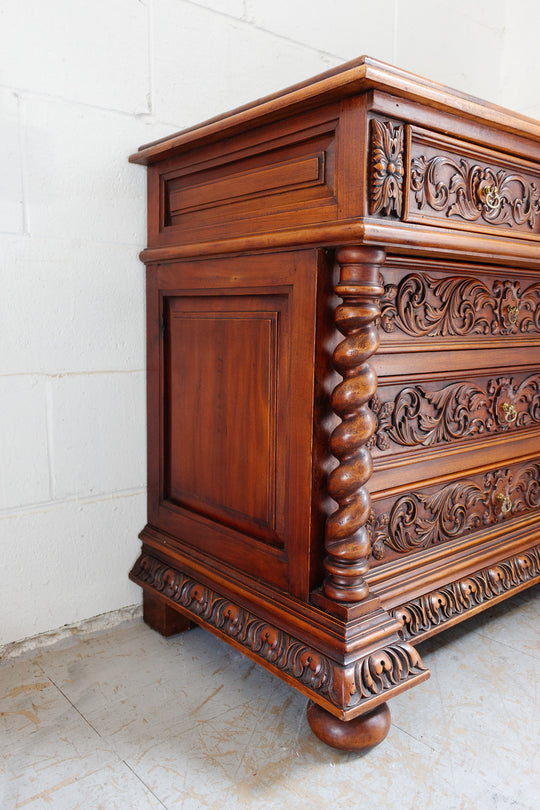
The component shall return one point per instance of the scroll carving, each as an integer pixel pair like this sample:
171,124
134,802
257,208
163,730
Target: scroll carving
470,191
345,686
421,305
387,168
347,540
417,520
418,416
423,615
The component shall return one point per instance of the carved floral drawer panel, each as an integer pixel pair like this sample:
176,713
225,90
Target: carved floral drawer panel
460,305
440,412
422,176
456,510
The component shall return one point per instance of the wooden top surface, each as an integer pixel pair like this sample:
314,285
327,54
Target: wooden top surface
349,79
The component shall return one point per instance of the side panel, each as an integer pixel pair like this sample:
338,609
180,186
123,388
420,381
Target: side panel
223,363
278,176
231,377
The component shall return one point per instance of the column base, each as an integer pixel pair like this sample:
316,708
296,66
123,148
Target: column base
358,734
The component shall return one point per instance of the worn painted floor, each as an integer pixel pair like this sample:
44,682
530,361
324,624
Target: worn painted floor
125,719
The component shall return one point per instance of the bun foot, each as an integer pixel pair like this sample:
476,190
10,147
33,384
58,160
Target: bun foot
358,734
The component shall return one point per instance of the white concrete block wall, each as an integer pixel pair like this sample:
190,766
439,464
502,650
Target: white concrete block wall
24,471
81,86
521,57
344,29
222,62
95,53
11,193
456,43
97,427
69,561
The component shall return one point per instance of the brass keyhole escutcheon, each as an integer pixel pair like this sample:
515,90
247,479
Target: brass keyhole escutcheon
510,412
513,313
491,198
506,503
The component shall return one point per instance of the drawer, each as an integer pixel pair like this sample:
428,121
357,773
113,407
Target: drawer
460,185
251,184
459,304
467,510
441,412
426,178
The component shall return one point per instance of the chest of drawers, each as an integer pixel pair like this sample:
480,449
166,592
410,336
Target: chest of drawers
343,297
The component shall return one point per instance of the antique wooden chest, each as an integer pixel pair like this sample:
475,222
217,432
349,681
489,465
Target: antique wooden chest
343,293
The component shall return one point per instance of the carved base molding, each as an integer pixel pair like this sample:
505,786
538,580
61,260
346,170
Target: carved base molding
430,613
346,690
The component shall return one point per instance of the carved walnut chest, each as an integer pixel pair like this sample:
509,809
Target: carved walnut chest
343,293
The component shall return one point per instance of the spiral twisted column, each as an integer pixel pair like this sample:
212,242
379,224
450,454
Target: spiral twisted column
347,541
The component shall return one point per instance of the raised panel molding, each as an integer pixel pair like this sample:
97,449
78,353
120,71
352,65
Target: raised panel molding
213,403
256,182
267,180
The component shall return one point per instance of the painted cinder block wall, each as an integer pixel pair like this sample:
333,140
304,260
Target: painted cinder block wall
82,84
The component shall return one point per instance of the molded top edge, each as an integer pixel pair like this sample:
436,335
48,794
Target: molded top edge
356,76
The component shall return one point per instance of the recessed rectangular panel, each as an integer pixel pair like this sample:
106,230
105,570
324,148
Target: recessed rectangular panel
292,176
230,403
266,180
222,409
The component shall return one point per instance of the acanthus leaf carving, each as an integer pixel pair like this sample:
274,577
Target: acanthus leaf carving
471,191
419,519
433,610
418,416
421,305
347,686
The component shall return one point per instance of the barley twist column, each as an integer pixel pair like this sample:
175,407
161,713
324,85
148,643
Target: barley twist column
347,541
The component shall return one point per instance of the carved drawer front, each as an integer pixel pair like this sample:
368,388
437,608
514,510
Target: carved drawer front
467,304
440,412
470,510
423,177
466,186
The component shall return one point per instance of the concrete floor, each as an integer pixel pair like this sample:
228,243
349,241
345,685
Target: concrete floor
125,719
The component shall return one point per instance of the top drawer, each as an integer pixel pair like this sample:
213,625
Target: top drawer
426,178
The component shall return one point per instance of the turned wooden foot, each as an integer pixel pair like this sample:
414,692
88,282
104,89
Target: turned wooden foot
360,733
158,615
